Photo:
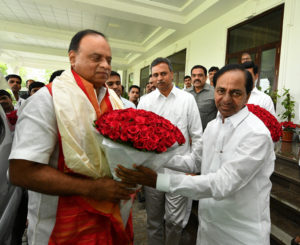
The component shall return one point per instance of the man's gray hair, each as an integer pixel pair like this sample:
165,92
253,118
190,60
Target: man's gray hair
161,60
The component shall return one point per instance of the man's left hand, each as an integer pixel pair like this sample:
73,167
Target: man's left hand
140,175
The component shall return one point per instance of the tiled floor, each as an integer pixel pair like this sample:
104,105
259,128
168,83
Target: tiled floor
188,237
139,223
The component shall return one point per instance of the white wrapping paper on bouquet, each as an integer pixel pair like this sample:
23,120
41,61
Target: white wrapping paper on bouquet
124,155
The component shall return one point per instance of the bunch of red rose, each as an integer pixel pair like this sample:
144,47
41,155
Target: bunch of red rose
12,117
288,126
143,130
268,119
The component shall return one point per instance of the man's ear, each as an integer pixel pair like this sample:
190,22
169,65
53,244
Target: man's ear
72,57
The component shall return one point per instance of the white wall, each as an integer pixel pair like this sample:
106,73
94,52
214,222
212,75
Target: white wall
289,70
207,45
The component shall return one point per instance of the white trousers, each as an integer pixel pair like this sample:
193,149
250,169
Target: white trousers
167,215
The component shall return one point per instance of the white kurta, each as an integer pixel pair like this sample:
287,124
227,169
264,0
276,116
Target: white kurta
263,100
36,140
127,104
234,188
181,109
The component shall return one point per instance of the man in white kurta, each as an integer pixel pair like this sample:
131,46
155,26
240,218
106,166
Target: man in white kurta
181,109
258,97
238,159
41,147
234,187
114,83
35,151
263,100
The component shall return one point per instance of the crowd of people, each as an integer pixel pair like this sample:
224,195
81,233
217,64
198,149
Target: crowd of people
226,162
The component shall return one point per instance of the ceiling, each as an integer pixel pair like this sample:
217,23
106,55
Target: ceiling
36,33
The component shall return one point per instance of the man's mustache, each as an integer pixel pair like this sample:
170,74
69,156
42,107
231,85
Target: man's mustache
197,80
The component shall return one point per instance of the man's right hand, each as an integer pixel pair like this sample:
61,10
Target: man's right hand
110,190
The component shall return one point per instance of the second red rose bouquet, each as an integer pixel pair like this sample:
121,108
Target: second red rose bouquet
268,119
12,117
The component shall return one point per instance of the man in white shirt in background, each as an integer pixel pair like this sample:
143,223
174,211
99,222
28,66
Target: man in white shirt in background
181,109
188,83
134,94
114,82
237,162
15,83
152,83
258,97
211,72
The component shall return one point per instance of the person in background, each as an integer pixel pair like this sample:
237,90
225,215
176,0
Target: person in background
134,94
114,83
34,87
14,82
245,57
167,214
28,82
148,88
6,101
55,74
20,194
187,83
203,94
211,72
258,97
25,94
8,108
296,241
152,83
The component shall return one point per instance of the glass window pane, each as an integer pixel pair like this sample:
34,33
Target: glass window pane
178,64
263,30
234,60
267,69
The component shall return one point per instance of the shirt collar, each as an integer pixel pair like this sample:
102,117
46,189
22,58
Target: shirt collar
254,90
101,95
173,92
237,118
205,87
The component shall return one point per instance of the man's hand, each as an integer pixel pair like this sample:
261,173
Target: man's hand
45,179
110,190
141,175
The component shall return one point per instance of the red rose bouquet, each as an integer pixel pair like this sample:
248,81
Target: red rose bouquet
268,119
288,126
131,136
12,117
143,130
